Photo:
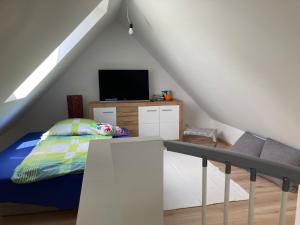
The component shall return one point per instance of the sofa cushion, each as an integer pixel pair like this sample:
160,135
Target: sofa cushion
278,152
249,144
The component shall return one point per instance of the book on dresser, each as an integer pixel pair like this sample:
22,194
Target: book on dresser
164,119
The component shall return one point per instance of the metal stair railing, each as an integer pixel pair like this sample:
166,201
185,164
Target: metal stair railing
255,165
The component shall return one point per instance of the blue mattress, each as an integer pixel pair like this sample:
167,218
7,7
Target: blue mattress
62,192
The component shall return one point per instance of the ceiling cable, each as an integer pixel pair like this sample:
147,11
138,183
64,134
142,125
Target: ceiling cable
130,30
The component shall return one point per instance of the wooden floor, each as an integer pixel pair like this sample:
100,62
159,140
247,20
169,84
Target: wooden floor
267,202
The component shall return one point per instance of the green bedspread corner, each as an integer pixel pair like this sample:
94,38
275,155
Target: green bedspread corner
55,156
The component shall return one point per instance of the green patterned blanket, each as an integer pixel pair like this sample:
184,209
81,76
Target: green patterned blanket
54,156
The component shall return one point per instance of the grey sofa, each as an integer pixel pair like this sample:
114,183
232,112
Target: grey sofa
268,149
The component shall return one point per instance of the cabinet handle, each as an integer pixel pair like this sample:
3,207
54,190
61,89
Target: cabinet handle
152,110
108,112
167,110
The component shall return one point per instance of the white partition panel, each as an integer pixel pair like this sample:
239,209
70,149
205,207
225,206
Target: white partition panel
123,183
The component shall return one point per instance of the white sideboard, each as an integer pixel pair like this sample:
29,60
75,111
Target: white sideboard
143,119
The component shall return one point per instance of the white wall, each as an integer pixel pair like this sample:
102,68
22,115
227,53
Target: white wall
227,133
113,49
239,60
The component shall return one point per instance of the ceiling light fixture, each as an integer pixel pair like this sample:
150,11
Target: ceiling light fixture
130,30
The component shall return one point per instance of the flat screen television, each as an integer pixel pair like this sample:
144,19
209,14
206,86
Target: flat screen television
124,85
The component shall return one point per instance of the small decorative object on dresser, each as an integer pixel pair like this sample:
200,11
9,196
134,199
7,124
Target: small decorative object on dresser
157,98
167,95
75,106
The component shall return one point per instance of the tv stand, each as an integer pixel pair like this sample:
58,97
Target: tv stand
142,118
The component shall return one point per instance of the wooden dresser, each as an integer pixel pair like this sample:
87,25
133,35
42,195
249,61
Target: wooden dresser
164,119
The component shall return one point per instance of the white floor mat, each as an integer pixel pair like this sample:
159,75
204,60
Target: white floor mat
183,183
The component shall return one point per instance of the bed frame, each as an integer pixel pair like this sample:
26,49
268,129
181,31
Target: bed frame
13,209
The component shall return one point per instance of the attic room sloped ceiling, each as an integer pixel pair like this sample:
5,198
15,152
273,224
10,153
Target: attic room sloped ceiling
30,32
239,60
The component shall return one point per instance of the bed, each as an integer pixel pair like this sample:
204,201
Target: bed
44,171
43,193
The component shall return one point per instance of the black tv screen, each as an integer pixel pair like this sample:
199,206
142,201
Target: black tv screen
123,85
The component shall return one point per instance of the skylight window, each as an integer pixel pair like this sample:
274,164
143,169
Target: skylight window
44,69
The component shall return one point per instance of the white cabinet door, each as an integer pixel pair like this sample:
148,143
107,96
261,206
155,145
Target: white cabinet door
160,121
149,114
149,130
169,131
106,115
149,121
169,114
169,122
